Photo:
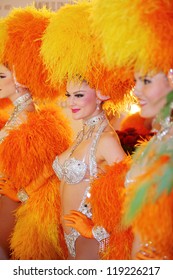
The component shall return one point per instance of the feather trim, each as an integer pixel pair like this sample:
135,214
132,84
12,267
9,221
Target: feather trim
154,224
37,234
34,145
107,198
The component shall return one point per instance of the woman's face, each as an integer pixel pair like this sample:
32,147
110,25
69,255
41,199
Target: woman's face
82,100
151,93
7,85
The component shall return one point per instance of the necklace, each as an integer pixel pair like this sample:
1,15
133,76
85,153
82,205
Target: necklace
91,123
22,99
20,104
96,119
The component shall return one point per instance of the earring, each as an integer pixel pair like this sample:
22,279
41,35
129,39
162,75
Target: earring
98,105
170,77
17,89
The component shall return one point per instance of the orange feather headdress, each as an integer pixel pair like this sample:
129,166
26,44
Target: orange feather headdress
70,49
24,27
136,34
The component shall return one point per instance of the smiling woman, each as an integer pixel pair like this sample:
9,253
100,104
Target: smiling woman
151,91
83,168
143,43
82,100
79,164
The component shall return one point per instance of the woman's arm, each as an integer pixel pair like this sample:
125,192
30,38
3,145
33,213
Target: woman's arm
111,149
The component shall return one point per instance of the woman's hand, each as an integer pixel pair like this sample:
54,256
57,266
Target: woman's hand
80,222
7,190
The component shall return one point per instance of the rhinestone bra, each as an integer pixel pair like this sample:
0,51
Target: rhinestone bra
73,170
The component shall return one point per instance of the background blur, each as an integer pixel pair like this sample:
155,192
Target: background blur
7,5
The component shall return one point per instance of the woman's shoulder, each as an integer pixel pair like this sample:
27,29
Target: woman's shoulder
110,147
109,136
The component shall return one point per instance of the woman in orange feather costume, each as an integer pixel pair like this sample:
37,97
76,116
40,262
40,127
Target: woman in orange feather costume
144,43
30,139
89,188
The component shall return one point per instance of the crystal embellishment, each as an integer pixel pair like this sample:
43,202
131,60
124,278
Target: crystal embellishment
73,170
20,104
96,119
70,238
100,233
22,195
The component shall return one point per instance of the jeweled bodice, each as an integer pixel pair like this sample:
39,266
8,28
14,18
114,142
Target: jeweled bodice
73,170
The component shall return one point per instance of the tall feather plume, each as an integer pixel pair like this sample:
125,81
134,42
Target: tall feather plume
25,27
135,34
71,49
68,48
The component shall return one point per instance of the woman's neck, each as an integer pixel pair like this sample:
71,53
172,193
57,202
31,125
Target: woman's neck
94,120
91,125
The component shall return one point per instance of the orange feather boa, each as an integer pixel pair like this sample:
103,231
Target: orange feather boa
107,197
25,154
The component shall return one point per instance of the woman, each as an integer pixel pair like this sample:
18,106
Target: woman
145,47
29,142
22,105
88,233
96,146
149,169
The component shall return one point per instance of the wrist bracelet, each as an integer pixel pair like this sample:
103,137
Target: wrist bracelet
102,236
99,233
22,195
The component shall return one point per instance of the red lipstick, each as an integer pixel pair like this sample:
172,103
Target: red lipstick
75,110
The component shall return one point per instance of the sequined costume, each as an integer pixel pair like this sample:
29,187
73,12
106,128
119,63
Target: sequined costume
73,171
75,35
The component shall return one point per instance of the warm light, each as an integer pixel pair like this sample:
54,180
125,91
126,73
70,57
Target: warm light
134,108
